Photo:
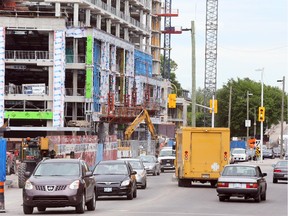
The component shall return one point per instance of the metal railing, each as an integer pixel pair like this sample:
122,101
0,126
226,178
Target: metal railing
28,55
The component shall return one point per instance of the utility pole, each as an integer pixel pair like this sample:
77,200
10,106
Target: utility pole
229,112
193,92
282,116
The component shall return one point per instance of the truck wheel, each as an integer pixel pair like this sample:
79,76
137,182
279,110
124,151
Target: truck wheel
21,177
13,167
8,167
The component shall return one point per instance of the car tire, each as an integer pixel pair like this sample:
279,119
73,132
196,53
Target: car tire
80,208
91,204
27,209
221,198
275,180
130,195
41,209
258,197
158,173
155,173
145,185
162,170
135,193
263,196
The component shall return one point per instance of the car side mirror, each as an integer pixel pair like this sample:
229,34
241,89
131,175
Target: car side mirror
273,165
264,174
27,174
88,174
133,172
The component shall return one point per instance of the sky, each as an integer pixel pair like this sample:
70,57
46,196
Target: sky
252,35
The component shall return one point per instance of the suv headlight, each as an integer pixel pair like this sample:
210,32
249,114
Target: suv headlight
125,183
28,185
74,185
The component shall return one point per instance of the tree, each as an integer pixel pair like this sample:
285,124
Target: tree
272,104
173,80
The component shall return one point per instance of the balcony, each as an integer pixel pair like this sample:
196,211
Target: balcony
28,56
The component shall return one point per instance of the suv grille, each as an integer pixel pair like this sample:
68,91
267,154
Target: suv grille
167,161
50,188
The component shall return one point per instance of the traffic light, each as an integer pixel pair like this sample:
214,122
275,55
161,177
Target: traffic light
215,106
261,114
172,101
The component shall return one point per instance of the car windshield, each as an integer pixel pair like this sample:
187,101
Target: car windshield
167,153
136,164
238,151
282,163
239,171
111,169
148,159
57,169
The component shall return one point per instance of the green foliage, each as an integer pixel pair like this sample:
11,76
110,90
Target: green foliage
272,103
173,80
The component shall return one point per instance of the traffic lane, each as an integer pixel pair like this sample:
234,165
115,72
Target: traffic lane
164,197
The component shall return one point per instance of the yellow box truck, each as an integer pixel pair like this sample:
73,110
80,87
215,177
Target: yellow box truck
201,154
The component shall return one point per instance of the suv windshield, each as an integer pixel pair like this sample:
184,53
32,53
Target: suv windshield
57,169
167,153
111,169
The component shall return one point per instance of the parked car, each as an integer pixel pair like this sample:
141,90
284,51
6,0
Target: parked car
239,180
280,171
166,158
60,183
251,154
268,153
115,178
239,154
277,151
151,164
138,166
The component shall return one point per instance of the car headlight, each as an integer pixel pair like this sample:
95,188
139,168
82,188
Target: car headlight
28,185
125,183
74,185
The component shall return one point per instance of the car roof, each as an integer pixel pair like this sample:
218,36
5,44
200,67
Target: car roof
242,165
61,160
112,162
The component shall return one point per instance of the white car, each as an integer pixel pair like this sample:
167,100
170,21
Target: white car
166,158
239,154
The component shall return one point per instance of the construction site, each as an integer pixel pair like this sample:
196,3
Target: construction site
85,73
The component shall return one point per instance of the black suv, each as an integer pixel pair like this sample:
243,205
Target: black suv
60,183
115,178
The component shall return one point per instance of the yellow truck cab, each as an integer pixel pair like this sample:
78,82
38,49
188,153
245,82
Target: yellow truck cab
201,154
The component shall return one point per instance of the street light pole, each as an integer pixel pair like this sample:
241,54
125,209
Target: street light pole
248,123
282,116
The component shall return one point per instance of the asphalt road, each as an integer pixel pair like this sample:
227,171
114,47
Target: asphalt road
163,197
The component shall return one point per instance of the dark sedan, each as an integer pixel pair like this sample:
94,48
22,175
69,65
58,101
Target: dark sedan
268,153
60,183
115,178
242,181
280,171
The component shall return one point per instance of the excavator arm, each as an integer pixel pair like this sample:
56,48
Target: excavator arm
142,116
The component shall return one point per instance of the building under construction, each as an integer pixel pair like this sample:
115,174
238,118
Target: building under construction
89,65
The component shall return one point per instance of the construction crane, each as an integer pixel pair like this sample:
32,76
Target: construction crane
210,81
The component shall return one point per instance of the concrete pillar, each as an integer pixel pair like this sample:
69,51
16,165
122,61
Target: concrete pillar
88,17
98,21
57,9
148,21
148,45
75,50
126,34
108,26
50,77
126,8
141,16
117,7
141,42
117,30
76,15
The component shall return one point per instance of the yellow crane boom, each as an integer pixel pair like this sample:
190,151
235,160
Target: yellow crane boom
144,115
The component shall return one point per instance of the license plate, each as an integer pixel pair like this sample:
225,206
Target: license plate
236,185
108,189
285,176
168,164
205,176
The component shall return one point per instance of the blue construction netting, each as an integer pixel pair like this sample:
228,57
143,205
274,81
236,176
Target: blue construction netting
3,147
142,63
